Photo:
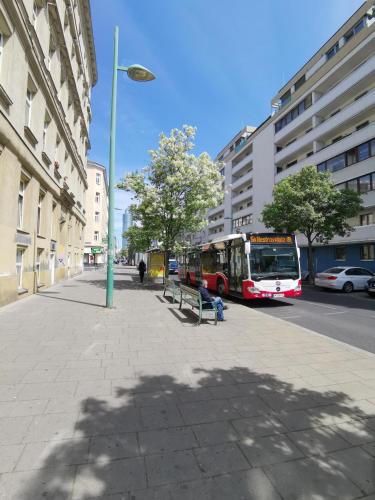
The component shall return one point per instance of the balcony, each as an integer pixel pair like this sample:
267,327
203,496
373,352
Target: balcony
354,112
247,160
214,236
241,197
331,99
216,210
332,150
215,223
242,213
242,180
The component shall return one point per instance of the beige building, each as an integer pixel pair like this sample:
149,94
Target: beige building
96,215
47,70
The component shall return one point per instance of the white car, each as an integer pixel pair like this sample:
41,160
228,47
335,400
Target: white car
344,278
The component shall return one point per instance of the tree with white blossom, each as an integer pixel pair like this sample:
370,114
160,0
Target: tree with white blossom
173,193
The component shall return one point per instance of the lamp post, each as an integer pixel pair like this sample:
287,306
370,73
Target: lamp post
139,74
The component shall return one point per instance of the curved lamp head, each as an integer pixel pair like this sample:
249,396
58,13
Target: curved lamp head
140,74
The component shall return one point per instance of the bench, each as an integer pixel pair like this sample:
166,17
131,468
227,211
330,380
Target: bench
170,286
192,297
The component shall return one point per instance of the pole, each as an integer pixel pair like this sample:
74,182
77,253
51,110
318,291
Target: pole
111,178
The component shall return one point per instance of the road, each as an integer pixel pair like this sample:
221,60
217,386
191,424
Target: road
346,317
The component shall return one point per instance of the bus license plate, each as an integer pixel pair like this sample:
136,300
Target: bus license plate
277,295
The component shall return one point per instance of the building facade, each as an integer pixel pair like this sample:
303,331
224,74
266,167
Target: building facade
96,205
127,221
47,70
324,116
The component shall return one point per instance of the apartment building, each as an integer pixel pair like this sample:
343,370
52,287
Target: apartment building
96,230
324,116
47,70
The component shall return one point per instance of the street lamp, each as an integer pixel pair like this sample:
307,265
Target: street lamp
139,74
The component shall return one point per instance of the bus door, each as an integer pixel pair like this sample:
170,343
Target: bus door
237,263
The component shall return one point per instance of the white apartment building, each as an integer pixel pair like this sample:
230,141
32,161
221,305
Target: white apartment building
96,203
47,70
324,116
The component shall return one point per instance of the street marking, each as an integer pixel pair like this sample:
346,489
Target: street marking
338,312
317,304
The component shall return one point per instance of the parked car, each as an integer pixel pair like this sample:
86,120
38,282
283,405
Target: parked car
370,287
344,278
173,266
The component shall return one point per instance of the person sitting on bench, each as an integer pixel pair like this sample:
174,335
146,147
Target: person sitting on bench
208,300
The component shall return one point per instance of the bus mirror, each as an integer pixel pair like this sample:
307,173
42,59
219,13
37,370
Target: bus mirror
247,247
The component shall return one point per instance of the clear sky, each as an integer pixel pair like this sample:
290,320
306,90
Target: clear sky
217,63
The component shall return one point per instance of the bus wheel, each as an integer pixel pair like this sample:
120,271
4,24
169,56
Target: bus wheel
220,288
187,280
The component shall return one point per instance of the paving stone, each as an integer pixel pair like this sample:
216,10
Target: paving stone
370,448
80,374
159,416
171,467
55,483
45,454
258,426
318,441
14,429
160,441
207,411
9,455
248,485
356,431
45,375
113,447
311,479
269,450
249,406
215,433
51,427
119,476
357,465
9,392
47,390
220,459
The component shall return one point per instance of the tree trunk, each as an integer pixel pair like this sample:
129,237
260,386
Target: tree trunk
166,264
310,262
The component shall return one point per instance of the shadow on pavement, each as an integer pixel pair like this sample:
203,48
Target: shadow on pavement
46,295
129,284
229,434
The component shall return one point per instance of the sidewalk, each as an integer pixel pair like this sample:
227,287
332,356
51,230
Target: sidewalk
137,403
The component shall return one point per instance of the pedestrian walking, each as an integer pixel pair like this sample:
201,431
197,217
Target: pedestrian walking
141,269
209,299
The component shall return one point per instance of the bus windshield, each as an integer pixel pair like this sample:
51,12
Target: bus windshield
269,262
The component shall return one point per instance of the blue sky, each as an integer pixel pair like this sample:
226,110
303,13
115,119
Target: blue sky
218,63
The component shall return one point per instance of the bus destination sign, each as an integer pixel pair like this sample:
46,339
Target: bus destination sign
278,239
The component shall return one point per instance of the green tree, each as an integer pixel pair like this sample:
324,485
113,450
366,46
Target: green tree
309,203
173,193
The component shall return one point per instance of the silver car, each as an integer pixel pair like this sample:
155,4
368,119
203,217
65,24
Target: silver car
344,278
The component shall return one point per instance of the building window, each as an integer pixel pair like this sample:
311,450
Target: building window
34,15
97,197
350,157
363,151
365,219
299,82
364,183
19,267
367,252
285,98
53,215
29,102
47,121
97,216
96,235
340,253
21,199
353,31
39,213
97,178
37,264
332,51
293,113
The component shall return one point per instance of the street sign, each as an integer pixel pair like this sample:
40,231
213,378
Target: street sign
95,250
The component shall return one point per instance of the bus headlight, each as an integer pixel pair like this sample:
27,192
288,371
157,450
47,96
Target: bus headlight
253,289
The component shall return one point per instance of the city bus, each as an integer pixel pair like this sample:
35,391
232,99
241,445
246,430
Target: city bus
251,265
